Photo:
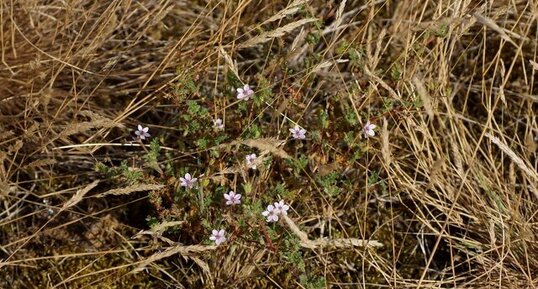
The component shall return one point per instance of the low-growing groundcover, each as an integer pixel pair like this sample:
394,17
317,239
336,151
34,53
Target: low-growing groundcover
268,144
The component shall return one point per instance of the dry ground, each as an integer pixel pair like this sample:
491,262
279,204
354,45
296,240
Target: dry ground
443,196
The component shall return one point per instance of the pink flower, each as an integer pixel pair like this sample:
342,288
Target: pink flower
217,123
218,237
297,132
244,93
188,181
232,198
281,207
271,214
142,132
369,129
250,161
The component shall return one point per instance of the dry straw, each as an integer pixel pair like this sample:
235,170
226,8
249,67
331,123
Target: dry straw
131,189
79,195
279,32
341,243
268,145
186,251
524,166
291,9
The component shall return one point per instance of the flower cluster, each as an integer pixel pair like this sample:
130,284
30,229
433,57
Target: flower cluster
277,209
274,210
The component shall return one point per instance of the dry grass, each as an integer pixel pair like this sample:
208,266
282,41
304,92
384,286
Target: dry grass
444,196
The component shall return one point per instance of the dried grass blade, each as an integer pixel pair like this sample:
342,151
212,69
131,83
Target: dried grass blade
179,249
85,126
515,158
324,242
385,144
231,64
157,230
270,145
279,32
339,13
491,24
290,10
165,225
534,65
79,195
321,66
383,84
41,163
424,96
131,189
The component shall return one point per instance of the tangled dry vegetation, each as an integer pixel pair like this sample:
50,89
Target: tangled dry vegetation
443,196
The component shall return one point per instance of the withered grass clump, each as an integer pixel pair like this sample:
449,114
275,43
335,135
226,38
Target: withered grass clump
444,196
